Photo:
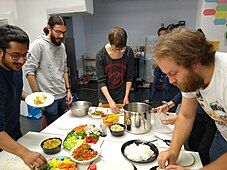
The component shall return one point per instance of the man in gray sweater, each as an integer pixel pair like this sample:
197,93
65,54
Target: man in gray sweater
46,69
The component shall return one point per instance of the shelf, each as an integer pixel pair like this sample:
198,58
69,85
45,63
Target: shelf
89,69
89,58
89,65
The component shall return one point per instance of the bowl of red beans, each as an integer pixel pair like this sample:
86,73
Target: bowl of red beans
85,153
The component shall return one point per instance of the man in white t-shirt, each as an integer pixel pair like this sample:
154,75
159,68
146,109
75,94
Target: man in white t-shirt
191,64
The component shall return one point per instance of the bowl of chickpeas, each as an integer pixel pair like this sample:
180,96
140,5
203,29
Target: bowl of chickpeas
117,129
51,145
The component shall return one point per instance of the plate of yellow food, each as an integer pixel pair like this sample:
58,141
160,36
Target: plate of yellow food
111,118
39,99
96,112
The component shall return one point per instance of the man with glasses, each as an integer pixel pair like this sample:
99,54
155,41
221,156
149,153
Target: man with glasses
14,44
46,69
114,63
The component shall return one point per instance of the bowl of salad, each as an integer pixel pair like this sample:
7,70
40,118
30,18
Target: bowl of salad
81,134
85,153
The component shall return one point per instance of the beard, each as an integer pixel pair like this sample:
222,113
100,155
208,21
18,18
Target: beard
191,82
17,65
53,40
4,63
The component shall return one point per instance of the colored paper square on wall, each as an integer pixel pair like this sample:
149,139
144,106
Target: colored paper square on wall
219,21
221,14
209,12
221,8
210,0
221,1
216,44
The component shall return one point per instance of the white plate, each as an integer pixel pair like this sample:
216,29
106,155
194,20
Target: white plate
93,146
185,159
67,124
93,109
31,97
104,110
114,164
164,129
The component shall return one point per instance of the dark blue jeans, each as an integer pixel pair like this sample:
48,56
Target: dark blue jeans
218,147
157,75
55,110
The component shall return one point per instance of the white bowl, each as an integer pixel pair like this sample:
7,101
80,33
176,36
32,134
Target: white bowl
93,146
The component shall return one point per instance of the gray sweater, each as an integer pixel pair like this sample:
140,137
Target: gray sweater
48,64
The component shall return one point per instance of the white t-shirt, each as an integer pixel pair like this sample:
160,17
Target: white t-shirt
213,98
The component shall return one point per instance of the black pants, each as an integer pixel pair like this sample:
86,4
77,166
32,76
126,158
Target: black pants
202,136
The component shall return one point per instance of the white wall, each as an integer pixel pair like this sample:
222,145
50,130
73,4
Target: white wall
32,15
9,10
212,32
140,18
34,23
78,24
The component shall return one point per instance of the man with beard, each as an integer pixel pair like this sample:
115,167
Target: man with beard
191,64
46,69
114,63
14,44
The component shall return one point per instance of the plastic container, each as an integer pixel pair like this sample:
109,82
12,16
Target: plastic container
34,113
92,167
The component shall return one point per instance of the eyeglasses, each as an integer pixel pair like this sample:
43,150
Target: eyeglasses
17,56
59,32
119,49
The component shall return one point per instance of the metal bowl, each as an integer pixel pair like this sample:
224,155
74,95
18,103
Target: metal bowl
80,108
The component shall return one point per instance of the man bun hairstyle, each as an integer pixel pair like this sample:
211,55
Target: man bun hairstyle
54,20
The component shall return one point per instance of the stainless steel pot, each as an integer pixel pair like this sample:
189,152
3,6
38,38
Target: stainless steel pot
80,108
137,117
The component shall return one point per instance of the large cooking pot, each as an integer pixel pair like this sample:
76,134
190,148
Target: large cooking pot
80,108
137,117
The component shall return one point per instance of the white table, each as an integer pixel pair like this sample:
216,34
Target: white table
65,123
113,144
32,141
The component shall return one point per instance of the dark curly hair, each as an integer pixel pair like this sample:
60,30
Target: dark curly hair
10,33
